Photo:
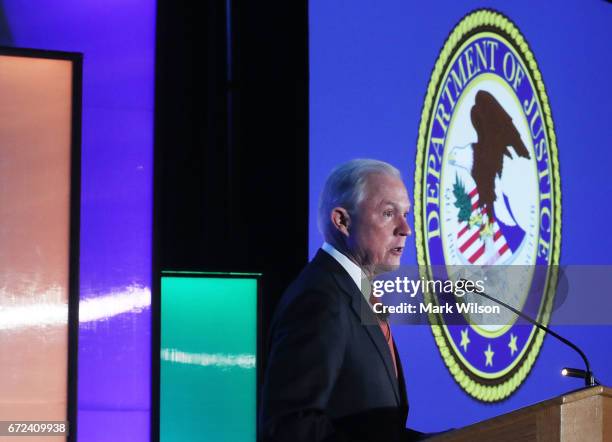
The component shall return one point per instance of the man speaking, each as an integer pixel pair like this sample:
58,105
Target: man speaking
332,376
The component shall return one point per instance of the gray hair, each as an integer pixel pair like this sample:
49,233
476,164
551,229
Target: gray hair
345,187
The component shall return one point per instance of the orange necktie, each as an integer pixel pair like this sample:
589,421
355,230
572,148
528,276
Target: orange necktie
386,329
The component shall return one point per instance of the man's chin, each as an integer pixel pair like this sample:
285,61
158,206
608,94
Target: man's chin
389,266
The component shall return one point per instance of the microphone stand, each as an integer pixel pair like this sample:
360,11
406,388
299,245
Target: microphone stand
587,375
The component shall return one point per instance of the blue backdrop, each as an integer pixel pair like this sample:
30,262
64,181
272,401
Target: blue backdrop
370,64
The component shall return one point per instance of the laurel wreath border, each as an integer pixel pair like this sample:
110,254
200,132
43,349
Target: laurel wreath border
473,20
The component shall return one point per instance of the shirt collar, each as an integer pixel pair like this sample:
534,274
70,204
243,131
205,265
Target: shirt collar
351,268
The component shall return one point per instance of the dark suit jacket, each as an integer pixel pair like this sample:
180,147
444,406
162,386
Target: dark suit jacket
329,376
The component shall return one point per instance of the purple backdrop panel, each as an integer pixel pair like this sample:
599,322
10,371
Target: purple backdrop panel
120,425
117,39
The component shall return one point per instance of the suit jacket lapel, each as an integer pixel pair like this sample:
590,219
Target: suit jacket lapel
365,316
370,323
401,380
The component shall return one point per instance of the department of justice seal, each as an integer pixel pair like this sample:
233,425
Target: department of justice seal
487,193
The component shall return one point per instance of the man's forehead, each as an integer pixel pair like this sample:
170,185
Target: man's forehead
386,189
381,180
405,203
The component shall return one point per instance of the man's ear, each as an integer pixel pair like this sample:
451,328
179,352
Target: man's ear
341,220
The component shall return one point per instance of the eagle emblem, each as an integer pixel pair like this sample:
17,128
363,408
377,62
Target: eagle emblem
490,230
487,198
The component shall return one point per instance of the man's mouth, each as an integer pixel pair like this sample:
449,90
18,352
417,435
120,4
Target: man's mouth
398,250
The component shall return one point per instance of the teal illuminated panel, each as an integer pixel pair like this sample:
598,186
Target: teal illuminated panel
208,358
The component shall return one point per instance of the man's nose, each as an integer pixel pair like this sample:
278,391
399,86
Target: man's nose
403,229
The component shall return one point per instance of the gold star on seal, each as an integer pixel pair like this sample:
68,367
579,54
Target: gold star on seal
512,344
489,355
464,339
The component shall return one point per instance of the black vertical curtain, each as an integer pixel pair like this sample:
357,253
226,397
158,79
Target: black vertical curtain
231,144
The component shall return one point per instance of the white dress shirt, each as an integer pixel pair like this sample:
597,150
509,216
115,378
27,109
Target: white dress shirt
351,268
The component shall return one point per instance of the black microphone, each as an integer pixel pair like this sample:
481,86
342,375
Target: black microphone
587,375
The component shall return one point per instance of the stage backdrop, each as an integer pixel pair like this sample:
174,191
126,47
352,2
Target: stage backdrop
370,65
117,40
